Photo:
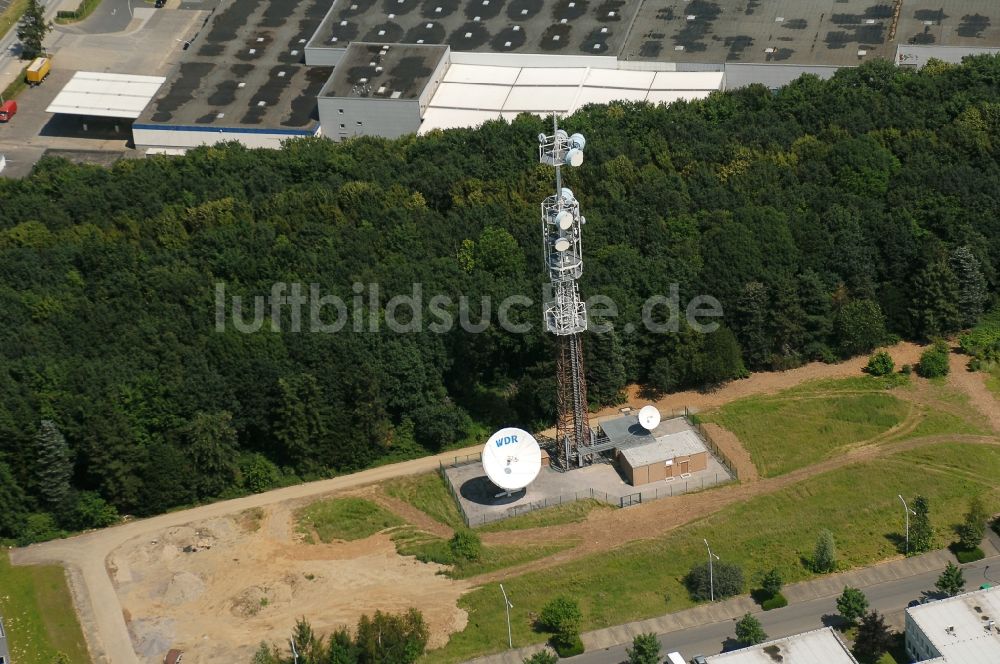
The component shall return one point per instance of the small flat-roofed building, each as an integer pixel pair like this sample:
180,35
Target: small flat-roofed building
959,630
381,89
107,95
671,450
820,646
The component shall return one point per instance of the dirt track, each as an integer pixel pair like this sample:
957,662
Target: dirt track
86,556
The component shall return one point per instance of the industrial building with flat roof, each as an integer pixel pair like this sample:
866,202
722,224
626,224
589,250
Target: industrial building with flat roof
260,72
242,78
821,646
958,630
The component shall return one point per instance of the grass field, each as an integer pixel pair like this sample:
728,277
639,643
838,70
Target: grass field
11,15
993,382
428,494
344,519
427,548
38,614
550,516
799,427
642,579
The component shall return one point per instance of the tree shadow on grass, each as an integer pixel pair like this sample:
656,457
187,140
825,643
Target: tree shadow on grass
898,540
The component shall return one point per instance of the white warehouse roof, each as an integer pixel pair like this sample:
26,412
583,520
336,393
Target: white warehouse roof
106,95
820,646
472,94
965,629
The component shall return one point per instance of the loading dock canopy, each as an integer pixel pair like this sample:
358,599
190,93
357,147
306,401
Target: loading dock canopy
106,95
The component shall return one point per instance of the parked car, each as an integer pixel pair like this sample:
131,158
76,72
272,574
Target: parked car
699,659
7,110
159,3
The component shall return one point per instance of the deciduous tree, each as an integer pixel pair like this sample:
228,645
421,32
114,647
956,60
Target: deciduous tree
749,631
31,30
852,604
951,581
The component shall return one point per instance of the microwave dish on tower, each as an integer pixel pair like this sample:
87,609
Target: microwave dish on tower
512,458
649,417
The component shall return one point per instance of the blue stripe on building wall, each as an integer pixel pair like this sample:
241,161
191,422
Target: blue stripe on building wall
228,130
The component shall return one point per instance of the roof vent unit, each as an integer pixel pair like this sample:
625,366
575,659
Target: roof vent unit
262,103
281,74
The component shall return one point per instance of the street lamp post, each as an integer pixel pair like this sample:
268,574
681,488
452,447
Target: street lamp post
711,573
507,607
907,512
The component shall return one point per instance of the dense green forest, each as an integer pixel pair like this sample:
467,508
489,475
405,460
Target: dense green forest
826,218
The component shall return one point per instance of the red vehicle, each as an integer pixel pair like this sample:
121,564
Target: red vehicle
7,110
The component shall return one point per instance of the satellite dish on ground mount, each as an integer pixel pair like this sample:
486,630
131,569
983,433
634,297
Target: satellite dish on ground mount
649,417
512,458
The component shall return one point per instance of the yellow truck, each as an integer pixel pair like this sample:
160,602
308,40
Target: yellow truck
38,70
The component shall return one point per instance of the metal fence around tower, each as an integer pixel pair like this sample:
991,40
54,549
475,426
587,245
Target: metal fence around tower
676,487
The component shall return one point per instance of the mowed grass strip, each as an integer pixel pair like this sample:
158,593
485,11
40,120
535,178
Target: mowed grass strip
574,512
430,549
429,494
783,433
344,519
643,579
38,614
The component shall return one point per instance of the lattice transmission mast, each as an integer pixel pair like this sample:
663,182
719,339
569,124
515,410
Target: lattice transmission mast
566,313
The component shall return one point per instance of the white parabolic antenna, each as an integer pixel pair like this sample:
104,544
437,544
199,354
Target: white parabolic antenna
562,244
649,417
512,458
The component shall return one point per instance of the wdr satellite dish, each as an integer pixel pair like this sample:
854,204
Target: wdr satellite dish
649,417
562,244
512,458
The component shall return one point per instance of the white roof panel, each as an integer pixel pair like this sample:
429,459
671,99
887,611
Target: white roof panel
470,96
590,95
106,95
458,73
619,78
540,100
819,646
668,97
551,76
450,118
687,80
670,446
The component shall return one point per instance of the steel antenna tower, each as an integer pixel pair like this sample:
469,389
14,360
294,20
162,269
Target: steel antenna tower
566,313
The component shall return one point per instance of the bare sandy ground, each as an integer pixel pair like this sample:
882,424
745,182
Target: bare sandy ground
217,588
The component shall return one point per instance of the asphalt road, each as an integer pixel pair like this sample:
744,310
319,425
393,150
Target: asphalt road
890,598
